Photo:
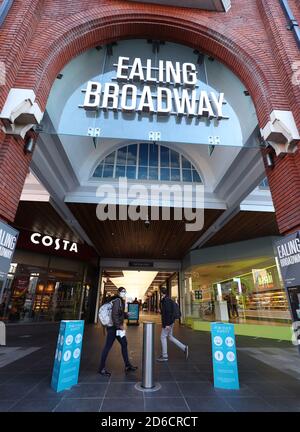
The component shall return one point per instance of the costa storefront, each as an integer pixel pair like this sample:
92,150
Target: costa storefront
160,96
49,279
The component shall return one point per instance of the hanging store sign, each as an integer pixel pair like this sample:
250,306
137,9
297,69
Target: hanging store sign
8,241
141,264
288,258
171,88
56,244
288,254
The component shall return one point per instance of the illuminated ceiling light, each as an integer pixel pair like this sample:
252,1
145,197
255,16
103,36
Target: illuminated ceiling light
135,282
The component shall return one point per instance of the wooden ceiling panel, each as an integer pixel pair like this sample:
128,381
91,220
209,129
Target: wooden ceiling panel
246,225
129,239
163,239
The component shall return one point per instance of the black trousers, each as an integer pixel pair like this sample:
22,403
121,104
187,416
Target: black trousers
110,338
235,310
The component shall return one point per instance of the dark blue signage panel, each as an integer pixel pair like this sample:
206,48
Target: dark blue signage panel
288,257
288,254
8,241
224,356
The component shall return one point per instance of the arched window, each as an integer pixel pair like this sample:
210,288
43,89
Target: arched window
147,161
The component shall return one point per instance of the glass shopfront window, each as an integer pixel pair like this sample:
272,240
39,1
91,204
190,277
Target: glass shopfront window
254,296
199,298
35,293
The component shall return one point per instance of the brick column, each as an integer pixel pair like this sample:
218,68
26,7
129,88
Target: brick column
14,166
284,180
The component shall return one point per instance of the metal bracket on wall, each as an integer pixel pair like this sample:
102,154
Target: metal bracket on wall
4,9
293,23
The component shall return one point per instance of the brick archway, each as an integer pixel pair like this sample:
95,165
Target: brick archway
48,53
40,38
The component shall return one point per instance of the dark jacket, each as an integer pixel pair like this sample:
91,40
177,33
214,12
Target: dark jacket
118,312
232,299
167,311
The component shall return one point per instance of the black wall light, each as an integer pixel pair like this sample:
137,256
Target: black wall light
269,160
29,145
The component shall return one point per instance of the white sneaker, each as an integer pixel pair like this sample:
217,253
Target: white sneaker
162,359
186,352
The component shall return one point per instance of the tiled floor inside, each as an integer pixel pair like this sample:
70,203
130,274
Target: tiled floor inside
267,370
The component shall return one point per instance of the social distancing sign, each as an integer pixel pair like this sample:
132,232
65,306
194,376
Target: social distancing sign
67,355
224,356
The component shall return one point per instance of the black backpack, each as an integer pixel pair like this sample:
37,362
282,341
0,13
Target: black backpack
176,310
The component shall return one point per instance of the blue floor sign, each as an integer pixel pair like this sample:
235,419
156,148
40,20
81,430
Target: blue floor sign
224,356
67,355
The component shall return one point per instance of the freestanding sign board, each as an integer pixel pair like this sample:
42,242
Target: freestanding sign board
288,255
8,241
224,356
67,355
134,310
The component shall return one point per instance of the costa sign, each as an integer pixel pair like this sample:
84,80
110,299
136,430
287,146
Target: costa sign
169,89
55,243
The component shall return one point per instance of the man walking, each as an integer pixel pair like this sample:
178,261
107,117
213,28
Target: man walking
167,308
116,331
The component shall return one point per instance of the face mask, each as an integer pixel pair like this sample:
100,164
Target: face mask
122,294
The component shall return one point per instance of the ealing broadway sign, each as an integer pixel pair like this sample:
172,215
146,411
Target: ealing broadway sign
177,91
8,241
129,94
288,253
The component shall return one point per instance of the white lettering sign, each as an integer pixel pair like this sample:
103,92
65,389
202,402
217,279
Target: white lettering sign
289,253
57,244
7,244
176,92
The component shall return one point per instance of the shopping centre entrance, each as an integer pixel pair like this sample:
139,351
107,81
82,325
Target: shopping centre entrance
150,144
142,286
147,172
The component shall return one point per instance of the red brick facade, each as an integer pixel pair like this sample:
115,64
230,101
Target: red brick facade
39,38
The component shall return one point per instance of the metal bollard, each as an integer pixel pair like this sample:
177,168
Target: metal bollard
148,383
148,356
2,334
